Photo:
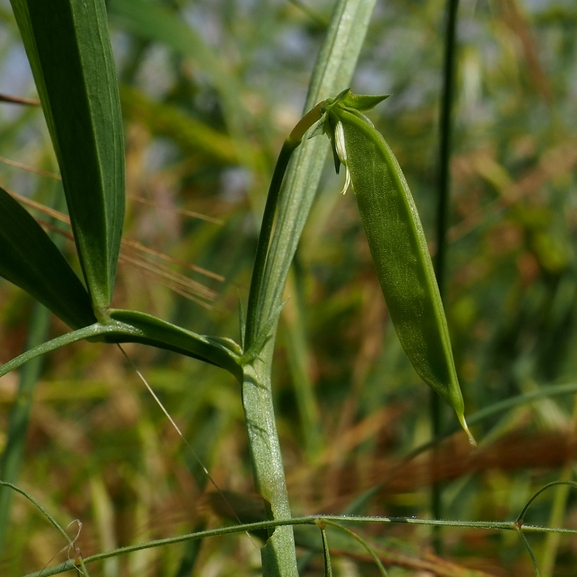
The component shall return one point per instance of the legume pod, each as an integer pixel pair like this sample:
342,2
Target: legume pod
397,244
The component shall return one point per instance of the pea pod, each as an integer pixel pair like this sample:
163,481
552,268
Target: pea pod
397,244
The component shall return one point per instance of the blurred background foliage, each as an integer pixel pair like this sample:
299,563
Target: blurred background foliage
210,89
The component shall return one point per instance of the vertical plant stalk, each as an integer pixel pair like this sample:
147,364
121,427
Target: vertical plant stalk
332,73
443,200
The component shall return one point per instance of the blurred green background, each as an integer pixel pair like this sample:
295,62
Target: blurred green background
210,89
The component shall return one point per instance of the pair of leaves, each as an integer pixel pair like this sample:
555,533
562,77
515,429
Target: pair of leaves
68,45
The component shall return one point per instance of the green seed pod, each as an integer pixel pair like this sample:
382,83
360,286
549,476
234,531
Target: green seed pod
397,244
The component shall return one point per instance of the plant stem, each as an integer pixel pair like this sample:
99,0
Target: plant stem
559,507
445,130
445,133
278,555
313,520
332,73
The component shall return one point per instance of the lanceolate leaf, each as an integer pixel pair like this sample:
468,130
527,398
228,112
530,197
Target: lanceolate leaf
125,326
137,327
30,260
68,46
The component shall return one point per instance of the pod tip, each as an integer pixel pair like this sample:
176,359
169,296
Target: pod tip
472,441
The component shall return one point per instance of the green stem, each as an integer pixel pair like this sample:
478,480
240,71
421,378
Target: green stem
445,133
445,130
332,73
559,508
278,555
486,525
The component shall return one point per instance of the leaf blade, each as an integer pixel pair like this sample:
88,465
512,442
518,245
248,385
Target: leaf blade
128,326
31,260
68,46
137,327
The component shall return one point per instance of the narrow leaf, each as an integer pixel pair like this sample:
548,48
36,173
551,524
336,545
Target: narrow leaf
137,327
30,260
68,46
125,326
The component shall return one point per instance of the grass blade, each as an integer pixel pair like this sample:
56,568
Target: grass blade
332,73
